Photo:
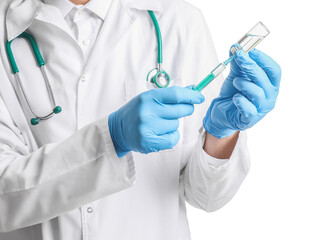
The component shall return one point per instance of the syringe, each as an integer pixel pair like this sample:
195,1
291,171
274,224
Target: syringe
248,42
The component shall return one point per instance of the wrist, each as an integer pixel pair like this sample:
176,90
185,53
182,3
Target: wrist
117,139
220,132
220,148
217,130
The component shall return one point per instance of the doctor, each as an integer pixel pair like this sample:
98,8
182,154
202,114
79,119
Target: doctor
121,158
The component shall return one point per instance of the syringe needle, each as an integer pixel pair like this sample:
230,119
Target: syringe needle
226,62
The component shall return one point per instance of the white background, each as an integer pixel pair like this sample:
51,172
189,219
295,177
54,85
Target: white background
288,193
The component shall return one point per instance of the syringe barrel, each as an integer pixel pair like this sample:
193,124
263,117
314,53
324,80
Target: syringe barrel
214,73
219,69
252,38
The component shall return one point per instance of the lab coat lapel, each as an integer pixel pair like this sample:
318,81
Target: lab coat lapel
117,22
52,15
20,15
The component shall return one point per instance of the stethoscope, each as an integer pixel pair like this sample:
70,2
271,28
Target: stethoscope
157,76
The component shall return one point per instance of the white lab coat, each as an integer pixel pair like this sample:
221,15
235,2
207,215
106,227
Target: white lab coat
62,178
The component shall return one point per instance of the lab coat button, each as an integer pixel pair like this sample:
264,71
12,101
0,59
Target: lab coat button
83,78
86,42
89,210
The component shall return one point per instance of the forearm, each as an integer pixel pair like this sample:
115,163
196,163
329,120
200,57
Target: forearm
208,185
220,148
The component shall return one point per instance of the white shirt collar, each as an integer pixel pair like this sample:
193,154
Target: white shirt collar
21,13
99,7
154,5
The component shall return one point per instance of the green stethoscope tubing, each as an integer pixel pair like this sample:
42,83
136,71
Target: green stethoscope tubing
34,46
40,61
161,78
158,69
158,37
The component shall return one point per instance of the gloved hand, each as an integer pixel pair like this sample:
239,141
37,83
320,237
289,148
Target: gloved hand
246,96
149,122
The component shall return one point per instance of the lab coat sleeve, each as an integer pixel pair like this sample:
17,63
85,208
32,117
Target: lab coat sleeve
58,177
210,183
207,183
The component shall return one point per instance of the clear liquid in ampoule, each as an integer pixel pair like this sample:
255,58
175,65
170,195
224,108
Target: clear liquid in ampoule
250,41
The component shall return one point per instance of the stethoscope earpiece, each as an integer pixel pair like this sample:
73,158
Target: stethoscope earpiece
35,121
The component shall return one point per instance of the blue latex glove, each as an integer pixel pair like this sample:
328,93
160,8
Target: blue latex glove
149,122
247,95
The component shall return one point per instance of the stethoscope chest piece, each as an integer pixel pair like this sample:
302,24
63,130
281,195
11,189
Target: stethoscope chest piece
159,78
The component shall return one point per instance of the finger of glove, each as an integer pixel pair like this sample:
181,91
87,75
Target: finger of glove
251,91
272,68
228,90
247,110
254,72
175,111
234,66
164,126
165,141
190,86
177,94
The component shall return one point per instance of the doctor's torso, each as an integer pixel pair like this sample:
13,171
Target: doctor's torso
90,87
